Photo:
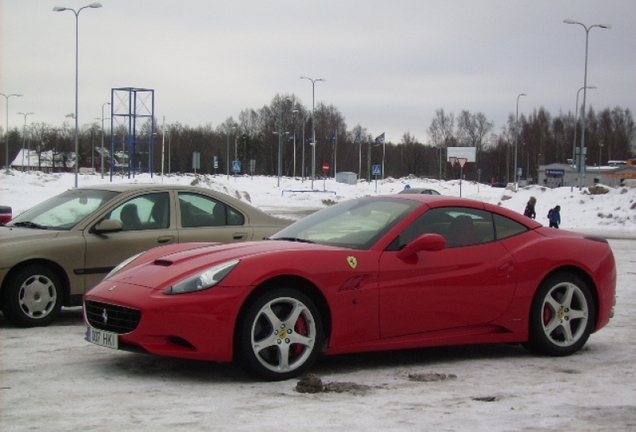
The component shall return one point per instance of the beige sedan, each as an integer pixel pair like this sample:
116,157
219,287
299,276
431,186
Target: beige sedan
53,253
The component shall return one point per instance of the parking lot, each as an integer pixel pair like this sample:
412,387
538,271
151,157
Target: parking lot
51,379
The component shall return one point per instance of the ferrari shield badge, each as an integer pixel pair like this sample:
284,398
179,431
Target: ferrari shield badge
353,262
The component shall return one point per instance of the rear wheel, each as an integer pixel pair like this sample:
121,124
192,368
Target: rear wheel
32,297
280,336
562,317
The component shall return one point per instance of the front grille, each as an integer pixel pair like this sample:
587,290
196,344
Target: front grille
112,318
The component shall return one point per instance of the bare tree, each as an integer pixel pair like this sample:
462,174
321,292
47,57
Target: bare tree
441,133
472,131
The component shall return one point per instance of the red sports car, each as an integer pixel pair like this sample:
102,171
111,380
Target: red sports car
377,273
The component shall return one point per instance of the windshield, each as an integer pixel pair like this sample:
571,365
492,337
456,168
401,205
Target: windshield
356,224
64,211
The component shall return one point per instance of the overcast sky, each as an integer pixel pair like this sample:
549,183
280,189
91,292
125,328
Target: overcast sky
388,65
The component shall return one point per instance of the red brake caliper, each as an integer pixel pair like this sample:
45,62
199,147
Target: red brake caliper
301,328
547,314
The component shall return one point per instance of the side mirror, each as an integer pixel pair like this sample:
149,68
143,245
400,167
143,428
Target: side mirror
425,242
108,226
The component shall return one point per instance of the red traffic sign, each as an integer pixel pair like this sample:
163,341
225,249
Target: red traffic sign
325,166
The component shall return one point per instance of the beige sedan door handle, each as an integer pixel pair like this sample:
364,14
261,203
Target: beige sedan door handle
165,239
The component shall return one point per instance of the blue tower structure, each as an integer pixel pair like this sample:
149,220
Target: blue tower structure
132,130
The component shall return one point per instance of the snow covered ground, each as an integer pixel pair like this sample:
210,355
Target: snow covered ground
613,213
53,380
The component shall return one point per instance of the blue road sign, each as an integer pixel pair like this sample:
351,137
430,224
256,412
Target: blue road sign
236,166
377,170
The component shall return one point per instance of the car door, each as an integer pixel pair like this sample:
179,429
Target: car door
469,284
147,222
205,219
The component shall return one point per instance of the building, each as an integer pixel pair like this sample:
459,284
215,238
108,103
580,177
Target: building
558,175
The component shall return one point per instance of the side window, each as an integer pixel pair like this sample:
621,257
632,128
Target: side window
459,226
201,211
469,227
234,217
150,211
507,227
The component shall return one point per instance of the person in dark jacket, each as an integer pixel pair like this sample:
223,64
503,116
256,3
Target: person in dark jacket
529,211
554,215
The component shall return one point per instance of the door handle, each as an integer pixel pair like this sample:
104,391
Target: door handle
165,239
238,236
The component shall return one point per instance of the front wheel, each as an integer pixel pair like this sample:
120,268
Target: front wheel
280,336
562,316
32,297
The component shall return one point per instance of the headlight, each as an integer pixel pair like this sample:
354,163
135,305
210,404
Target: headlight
123,264
204,280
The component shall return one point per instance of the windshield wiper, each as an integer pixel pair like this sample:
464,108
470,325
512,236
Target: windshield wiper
294,239
29,224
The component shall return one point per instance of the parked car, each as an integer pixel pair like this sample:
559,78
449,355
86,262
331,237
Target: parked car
376,273
5,214
53,253
419,191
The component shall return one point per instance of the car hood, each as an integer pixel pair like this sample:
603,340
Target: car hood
164,266
10,234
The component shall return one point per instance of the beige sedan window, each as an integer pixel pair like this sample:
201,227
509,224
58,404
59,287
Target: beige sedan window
151,211
200,211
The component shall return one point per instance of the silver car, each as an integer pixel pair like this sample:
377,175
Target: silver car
419,191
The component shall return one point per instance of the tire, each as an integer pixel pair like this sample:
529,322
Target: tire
32,297
280,335
563,316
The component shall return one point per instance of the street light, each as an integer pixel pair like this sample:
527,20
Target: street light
6,143
230,128
576,113
587,34
313,127
24,140
102,155
302,157
516,135
76,13
280,159
294,111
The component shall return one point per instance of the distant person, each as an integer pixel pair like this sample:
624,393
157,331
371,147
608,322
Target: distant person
529,211
554,215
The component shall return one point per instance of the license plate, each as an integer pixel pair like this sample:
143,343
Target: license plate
102,338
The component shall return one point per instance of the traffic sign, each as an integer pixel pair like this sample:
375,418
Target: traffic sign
236,166
377,170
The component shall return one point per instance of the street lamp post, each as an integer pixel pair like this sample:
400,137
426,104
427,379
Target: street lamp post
24,140
169,149
6,132
302,162
294,111
76,13
280,160
576,121
587,34
102,155
280,143
313,127
516,136
230,129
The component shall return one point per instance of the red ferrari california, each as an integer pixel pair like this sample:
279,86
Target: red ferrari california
377,273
